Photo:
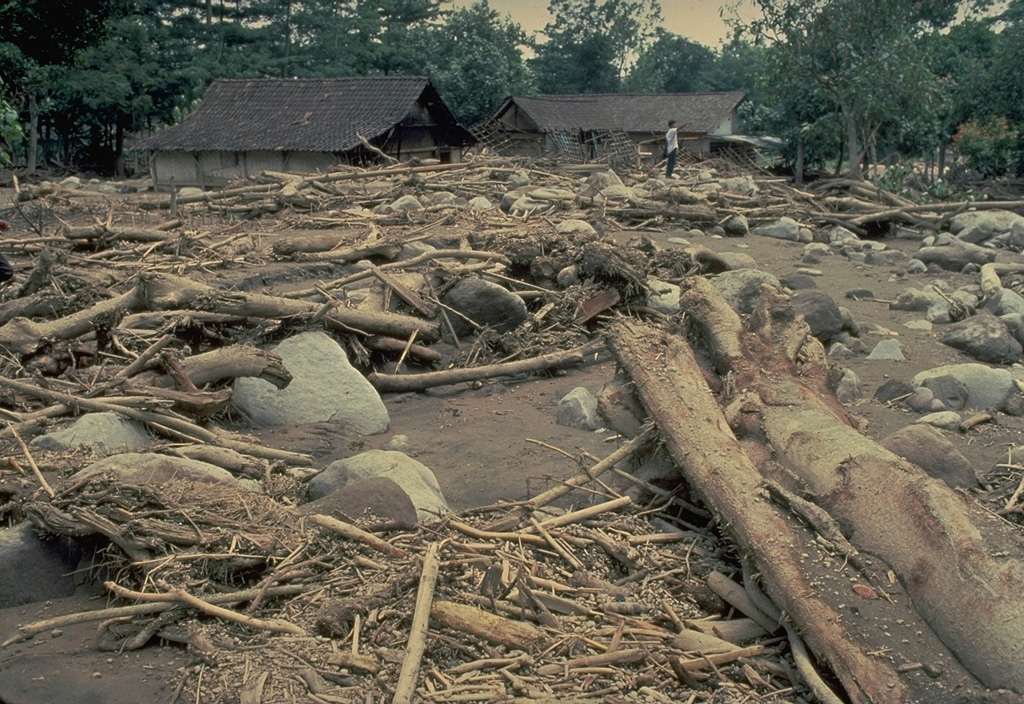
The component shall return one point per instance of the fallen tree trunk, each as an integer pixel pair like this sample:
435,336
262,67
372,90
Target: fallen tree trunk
942,546
165,292
697,435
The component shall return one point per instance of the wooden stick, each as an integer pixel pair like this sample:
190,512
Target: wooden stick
352,532
417,645
149,607
275,625
565,554
31,462
716,659
616,657
585,513
428,380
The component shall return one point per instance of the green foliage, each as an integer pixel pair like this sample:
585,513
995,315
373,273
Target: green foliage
590,42
476,61
989,148
10,129
671,64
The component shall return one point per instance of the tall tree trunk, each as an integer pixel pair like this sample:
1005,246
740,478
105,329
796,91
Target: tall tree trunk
852,149
942,160
798,169
33,134
119,147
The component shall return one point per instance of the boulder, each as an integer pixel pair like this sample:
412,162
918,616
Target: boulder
105,433
35,568
932,451
414,477
485,303
820,311
151,468
984,337
736,226
377,500
890,350
783,229
578,409
662,296
324,387
987,387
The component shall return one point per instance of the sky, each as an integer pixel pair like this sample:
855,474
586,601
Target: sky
698,20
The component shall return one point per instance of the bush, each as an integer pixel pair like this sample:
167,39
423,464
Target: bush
988,148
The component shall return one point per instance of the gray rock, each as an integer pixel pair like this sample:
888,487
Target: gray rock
398,442
1015,324
410,250
932,451
569,276
946,420
837,350
922,325
890,350
987,387
820,311
414,477
485,303
848,389
405,204
915,266
948,390
480,204
662,296
742,288
921,400
956,255
737,260
103,432
888,257
914,300
783,229
840,235
1005,301
151,468
34,568
552,194
854,343
736,226
379,497
984,337
892,390
324,387
798,282
575,227
578,409
981,225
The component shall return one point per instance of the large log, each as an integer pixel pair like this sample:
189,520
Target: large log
959,563
165,292
697,435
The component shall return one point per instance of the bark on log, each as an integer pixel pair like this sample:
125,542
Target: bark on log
229,363
942,545
163,292
107,233
698,437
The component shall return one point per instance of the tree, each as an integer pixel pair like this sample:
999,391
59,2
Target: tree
591,42
476,61
44,35
671,64
861,54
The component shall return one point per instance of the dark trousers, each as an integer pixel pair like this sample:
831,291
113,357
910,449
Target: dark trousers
671,163
6,272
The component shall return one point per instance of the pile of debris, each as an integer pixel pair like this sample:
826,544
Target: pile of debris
489,269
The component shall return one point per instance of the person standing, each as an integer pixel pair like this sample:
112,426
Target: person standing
671,147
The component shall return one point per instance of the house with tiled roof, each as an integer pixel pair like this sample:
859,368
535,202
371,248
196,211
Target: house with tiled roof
542,124
246,126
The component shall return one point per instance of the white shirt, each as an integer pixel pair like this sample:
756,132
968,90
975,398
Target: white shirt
671,140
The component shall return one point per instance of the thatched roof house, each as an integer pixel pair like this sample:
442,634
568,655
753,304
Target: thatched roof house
245,126
542,123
